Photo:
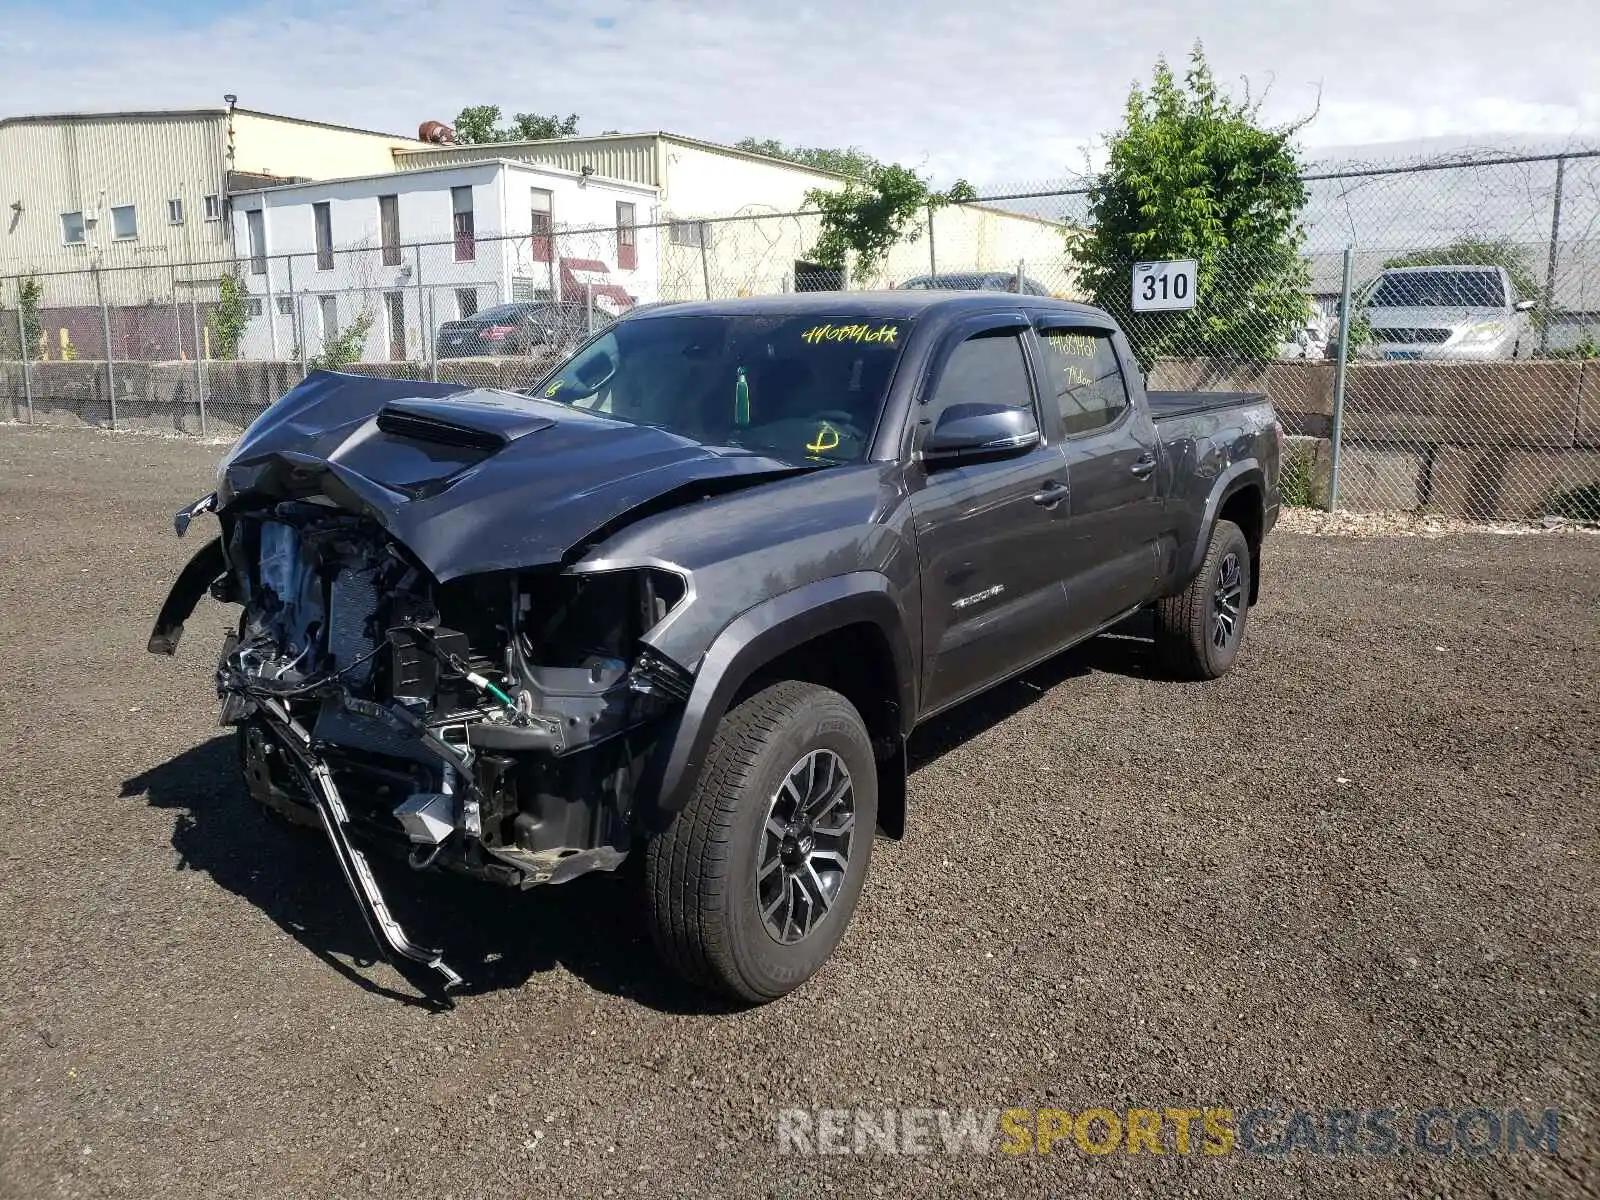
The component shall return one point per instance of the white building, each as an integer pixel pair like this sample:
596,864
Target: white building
408,251
730,215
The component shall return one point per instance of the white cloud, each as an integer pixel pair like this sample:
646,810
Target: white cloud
1003,90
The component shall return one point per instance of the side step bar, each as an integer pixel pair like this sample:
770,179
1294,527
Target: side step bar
385,930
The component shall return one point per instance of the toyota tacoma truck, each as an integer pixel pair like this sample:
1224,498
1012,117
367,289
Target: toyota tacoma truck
689,596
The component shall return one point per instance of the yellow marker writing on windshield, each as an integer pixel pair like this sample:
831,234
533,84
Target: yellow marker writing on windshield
822,444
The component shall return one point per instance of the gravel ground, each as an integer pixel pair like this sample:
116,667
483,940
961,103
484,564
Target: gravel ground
1359,872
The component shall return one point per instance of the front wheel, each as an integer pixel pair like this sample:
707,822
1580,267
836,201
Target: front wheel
751,886
1199,631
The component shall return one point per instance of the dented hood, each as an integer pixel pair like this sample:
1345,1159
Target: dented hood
472,480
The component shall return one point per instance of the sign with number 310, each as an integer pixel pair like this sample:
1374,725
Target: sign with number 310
1164,286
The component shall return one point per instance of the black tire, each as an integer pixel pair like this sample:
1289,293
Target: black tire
701,872
1196,637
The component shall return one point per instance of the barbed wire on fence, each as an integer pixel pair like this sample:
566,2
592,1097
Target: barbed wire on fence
1473,315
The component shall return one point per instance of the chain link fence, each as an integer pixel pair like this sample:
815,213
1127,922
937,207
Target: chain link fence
1465,380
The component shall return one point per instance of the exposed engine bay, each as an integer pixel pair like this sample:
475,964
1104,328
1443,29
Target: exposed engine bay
494,725
442,648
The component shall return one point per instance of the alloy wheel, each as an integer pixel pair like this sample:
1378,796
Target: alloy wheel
804,849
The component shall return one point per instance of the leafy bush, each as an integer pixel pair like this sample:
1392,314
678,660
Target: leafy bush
1193,174
29,293
229,318
345,346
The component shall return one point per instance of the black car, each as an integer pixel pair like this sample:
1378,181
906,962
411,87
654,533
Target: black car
976,281
690,597
521,327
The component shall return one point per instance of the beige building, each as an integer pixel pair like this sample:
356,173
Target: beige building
142,195
731,223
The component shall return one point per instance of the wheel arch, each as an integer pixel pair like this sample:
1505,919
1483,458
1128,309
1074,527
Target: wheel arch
1239,495
845,633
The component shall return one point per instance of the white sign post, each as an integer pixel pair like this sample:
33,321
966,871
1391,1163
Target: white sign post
1164,286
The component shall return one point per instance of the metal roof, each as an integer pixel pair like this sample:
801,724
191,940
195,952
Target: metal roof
602,138
203,111
520,164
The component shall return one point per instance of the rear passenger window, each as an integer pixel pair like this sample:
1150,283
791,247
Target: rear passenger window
983,373
1081,368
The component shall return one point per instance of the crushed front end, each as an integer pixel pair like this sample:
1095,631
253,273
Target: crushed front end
431,655
493,721
496,725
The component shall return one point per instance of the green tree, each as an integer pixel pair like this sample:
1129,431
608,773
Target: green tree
1194,174
229,318
479,124
868,217
29,292
1479,252
849,161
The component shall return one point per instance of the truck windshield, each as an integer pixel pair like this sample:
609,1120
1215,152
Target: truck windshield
1440,289
799,386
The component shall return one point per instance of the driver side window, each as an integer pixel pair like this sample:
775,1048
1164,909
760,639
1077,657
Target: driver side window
985,373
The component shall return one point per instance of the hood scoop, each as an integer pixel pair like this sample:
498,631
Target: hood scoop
475,421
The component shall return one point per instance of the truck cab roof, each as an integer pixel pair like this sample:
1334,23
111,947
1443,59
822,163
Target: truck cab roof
896,304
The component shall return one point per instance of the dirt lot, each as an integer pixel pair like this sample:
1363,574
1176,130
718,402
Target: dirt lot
1359,873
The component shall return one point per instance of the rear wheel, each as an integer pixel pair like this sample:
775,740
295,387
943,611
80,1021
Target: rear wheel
751,886
1199,631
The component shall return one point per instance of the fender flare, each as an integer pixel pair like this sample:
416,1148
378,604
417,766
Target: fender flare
1240,475
758,636
208,564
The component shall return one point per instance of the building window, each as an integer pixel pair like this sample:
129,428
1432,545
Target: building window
72,229
466,302
256,227
213,207
690,233
329,308
627,248
174,212
389,229
461,208
396,304
252,306
285,306
124,223
322,215
543,224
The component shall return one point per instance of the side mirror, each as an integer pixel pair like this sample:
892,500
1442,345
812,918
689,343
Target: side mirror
1524,306
971,432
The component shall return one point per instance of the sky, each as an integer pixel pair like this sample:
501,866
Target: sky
999,92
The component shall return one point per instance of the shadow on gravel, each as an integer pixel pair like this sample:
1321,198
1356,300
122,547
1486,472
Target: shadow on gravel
495,937
1124,651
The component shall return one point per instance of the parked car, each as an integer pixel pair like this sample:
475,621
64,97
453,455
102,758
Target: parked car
1459,313
976,281
690,596
1310,339
521,327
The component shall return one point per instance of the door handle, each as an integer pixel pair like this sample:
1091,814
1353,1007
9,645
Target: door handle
1051,494
1144,465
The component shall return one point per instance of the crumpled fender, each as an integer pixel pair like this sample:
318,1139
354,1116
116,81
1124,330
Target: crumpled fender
208,565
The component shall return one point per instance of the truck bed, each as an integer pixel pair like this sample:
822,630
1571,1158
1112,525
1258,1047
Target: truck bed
1165,405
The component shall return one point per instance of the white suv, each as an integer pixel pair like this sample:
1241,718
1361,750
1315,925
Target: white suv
1464,313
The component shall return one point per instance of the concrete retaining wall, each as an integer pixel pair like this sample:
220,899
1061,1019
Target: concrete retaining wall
1476,440
164,397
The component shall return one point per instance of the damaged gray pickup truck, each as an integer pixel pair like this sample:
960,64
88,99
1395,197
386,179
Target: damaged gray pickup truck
691,594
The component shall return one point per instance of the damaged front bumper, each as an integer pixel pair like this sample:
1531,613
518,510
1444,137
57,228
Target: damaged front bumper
497,725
